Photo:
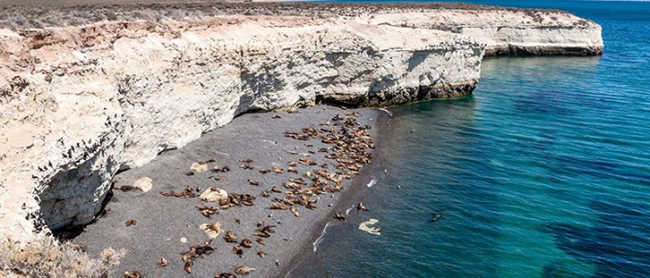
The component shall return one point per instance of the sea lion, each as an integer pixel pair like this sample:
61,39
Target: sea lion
360,206
294,210
188,266
436,216
261,234
163,262
261,253
135,274
237,251
339,216
130,222
246,243
267,229
264,171
244,270
278,206
230,237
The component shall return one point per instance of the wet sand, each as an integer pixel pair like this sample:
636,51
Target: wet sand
162,221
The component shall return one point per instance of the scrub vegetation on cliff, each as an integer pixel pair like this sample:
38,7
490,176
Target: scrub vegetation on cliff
64,13
45,257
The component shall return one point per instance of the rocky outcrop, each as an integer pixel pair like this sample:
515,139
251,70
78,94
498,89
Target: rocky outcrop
80,103
507,31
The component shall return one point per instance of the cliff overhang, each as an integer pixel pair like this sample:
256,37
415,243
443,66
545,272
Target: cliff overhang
82,102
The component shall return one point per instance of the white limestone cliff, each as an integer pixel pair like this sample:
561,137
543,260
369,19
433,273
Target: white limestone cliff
79,103
507,31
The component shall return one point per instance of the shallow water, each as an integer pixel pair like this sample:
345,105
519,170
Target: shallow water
543,172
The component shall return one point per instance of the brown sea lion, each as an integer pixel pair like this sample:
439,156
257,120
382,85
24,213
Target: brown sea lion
135,274
360,206
188,266
246,243
244,270
230,237
237,251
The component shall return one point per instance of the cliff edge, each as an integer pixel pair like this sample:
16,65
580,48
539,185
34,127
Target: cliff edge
81,100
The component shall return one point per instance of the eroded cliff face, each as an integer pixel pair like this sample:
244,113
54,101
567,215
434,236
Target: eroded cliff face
507,31
80,103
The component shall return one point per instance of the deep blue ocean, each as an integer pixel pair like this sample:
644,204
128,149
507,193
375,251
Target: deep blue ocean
543,172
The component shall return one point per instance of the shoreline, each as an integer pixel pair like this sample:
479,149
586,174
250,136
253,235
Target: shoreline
92,90
162,221
355,193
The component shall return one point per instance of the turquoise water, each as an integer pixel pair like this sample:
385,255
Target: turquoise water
543,172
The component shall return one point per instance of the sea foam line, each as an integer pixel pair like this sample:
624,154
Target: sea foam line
318,240
386,110
372,182
347,211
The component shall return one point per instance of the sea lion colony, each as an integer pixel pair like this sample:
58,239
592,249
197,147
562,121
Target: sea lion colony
349,149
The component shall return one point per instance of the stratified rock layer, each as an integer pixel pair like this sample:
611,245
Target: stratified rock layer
508,31
80,103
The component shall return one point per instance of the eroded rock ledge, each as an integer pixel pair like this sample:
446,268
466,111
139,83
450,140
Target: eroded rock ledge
80,103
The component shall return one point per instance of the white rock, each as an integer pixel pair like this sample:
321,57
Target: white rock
508,31
199,167
212,230
145,184
214,195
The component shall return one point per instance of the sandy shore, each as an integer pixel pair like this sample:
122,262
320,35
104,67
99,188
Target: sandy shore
161,222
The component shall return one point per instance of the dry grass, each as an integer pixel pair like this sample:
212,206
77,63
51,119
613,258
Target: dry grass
43,14
48,258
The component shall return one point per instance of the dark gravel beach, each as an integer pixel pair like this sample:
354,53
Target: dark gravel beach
162,223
